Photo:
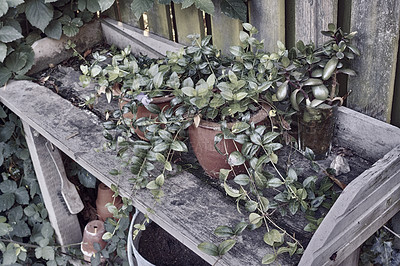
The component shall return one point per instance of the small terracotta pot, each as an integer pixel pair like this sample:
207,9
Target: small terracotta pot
161,102
92,233
104,196
202,141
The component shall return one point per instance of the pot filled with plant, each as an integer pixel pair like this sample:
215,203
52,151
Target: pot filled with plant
310,81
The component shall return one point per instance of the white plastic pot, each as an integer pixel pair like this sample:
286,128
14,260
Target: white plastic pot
136,259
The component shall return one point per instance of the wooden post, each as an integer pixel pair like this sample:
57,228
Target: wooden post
313,16
188,21
377,24
160,21
65,224
225,30
269,18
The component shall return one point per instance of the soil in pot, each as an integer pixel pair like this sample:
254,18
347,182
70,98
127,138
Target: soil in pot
161,249
315,130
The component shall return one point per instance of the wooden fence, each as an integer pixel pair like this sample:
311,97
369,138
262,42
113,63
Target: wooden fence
376,88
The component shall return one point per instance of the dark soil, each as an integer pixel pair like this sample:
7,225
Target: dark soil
161,249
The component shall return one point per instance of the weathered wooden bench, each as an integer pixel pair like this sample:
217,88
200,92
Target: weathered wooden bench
191,209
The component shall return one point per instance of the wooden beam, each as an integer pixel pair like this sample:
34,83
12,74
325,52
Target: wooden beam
269,18
225,30
188,21
65,224
313,16
377,24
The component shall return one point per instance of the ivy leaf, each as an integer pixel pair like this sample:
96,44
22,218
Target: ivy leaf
225,246
5,75
22,196
5,229
208,248
178,145
268,259
236,158
38,13
242,179
223,231
273,236
9,34
92,5
15,61
234,9
140,6
3,8
239,127
10,256
8,186
47,253
21,229
6,201
47,230
54,29
205,5
105,4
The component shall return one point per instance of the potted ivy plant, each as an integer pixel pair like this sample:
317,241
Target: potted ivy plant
309,78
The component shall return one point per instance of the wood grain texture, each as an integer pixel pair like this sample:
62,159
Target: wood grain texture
225,30
269,18
188,21
66,225
140,41
377,24
363,207
124,12
313,16
370,138
190,210
160,21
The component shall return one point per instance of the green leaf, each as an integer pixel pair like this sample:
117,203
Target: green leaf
5,229
239,127
153,108
140,6
234,9
22,196
268,259
225,246
38,13
14,3
236,158
10,256
160,180
15,61
107,235
47,230
178,145
242,179
251,206
6,201
8,186
9,34
240,227
3,8
274,182
293,207
330,67
161,147
273,236
223,231
54,30
48,253
255,218
152,185
208,248
105,4
231,192
5,75
93,5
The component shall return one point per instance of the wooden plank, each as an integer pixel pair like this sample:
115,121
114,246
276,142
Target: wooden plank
363,207
124,11
188,21
66,225
269,18
377,24
225,30
140,41
185,211
159,19
369,138
311,17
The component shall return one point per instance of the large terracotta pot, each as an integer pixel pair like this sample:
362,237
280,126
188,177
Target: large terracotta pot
161,102
104,196
92,233
202,141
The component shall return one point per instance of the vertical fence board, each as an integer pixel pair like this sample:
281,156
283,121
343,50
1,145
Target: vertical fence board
311,17
225,30
269,18
160,21
377,24
188,21
126,14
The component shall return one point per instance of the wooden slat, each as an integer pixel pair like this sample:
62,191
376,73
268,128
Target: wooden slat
140,41
369,138
124,11
188,21
66,225
269,18
377,24
311,17
160,21
363,207
225,30
185,212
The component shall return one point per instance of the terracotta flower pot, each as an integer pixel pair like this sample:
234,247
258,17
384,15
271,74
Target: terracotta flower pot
202,141
104,196
315,130
161,102
93,233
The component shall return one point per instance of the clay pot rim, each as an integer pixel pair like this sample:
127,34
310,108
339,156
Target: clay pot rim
259,116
